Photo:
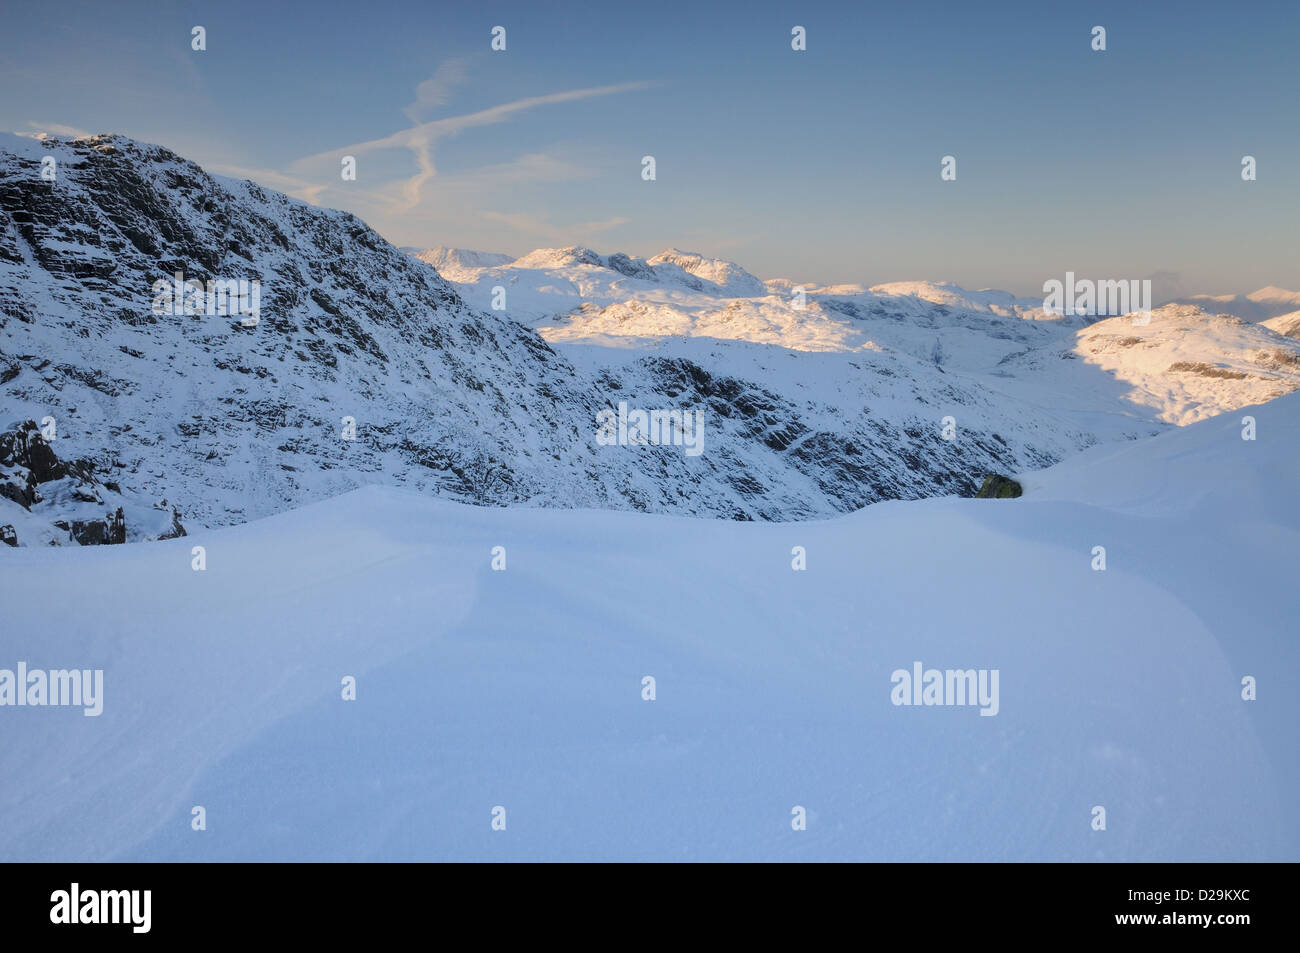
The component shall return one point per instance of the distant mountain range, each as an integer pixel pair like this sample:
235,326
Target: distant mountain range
1185,364
370,365
1257,306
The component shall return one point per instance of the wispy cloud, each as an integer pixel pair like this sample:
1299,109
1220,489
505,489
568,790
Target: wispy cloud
479,184
437,89
290,185
533,225
421,138
40,129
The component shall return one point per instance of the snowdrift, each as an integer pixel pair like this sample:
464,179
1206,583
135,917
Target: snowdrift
524,688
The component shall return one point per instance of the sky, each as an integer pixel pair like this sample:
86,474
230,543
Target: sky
821,165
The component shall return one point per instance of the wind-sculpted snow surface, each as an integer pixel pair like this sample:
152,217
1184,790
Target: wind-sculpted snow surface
522,693
354,339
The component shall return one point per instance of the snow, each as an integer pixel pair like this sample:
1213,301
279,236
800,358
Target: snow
727,276
230,424
989,340
1165,361
522,688
1001,303
1285,324
1255,307
455,263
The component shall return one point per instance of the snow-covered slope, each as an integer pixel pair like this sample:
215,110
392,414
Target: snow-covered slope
233,422
728,277
523,689
1191,365
1285,324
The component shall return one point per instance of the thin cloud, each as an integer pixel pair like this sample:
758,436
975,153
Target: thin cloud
309,192
42,129
436,90
421,138
535,226
467,190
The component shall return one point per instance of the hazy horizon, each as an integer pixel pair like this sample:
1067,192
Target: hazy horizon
819,165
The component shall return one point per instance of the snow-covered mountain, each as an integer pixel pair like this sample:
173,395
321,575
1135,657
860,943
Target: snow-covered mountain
729,278
231,422
1001,303
1180,365
455,263
227,422
1287,324
1190,365
1255,307
366,365
525,688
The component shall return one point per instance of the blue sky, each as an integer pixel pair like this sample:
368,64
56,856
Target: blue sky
819,166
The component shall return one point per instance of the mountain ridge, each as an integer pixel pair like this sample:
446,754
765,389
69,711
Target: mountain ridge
229,422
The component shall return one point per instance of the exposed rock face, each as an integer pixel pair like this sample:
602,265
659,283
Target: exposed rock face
59,497
110,529
26,460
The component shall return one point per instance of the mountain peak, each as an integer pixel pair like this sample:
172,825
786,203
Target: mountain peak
1274,293
560,257
454,262
727,275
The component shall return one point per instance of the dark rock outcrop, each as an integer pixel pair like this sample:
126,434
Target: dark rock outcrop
33,477
998,487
